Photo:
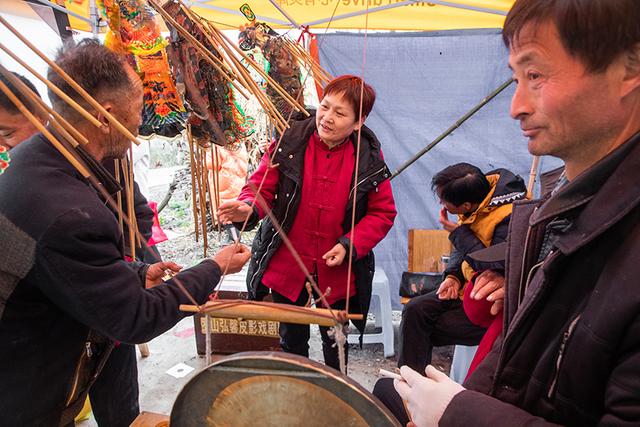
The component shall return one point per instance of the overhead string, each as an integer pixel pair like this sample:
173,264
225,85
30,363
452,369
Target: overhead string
273,165
357,163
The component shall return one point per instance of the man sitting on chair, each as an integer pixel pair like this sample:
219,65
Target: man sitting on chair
483,205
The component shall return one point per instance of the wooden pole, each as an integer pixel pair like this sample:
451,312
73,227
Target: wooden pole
240,309
532,176
194,189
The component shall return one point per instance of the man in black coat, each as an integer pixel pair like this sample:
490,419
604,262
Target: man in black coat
570,349
60,314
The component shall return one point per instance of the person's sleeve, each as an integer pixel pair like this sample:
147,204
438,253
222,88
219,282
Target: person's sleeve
79,267
454,266
374,226
466,242
486,411
143,212
266,179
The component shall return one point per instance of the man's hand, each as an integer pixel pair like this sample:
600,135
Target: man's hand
490,285
157,271
335,256
444,220
231,258
233,211
448,289
427,397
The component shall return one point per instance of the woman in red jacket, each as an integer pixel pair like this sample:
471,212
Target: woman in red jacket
311,194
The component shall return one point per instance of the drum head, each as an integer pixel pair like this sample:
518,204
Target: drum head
275,389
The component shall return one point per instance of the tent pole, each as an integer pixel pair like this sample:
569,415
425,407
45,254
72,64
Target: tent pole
284,13
64,10
93,13
455,126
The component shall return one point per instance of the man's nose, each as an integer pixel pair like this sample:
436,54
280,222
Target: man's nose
520,103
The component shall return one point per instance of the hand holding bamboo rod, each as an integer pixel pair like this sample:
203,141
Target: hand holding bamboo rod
242,309
95,104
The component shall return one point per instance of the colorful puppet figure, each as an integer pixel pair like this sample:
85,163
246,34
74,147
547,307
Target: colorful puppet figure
215,116
282,64
4,159
134,31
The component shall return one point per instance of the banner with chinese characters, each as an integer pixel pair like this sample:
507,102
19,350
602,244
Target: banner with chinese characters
347,14
382,15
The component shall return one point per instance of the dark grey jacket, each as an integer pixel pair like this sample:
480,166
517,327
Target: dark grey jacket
570,352
77,282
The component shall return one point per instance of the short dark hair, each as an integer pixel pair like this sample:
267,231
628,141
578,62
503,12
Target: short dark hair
350,86
5,102
98,70
594,31
461,183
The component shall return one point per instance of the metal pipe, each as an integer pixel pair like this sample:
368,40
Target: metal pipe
64,10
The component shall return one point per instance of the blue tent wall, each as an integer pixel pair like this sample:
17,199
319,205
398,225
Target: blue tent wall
424,83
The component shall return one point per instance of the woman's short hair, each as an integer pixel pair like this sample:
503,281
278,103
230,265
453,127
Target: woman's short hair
461,183
353,88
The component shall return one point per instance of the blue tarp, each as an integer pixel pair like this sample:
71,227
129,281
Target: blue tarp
424,83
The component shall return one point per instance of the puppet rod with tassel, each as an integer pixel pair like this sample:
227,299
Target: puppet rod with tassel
455,126
242,309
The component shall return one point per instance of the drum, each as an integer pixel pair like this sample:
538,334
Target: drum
275,389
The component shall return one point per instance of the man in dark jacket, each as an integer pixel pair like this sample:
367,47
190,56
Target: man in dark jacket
114,395
483,205
570,351
60,314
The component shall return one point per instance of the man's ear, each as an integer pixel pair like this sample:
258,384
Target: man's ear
631,79
105,128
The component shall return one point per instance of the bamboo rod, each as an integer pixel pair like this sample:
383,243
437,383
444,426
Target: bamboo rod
79,166
268,311
273,83
532,176
119,196
37,105
84,113
36,123
264,101
207,55
128,184
95,104
453,127
202,196
194,189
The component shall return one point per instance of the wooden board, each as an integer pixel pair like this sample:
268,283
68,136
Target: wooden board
426,248
230,336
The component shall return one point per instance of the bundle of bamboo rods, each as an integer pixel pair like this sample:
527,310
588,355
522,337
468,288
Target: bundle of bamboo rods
306,61
66,131
224,57
255,310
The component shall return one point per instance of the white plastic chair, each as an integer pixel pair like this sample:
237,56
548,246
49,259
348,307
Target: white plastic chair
381,309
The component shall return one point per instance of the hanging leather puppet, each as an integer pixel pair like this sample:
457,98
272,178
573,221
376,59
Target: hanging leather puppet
282,64
216,117
135,31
